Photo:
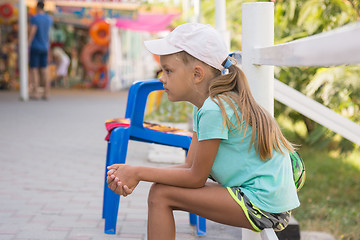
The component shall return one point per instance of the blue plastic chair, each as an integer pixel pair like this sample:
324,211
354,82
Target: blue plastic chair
118,144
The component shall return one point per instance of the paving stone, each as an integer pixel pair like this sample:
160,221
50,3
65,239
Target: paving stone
44,234
6,237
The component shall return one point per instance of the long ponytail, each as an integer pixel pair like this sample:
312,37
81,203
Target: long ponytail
266,134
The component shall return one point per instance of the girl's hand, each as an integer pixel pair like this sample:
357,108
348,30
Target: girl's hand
122,179
115,184
110,179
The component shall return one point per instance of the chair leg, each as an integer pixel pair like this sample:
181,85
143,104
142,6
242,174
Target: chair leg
116,154
111,211
200,226
200,223
105,184
192,218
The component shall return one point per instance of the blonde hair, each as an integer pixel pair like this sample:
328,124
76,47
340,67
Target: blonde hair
234,89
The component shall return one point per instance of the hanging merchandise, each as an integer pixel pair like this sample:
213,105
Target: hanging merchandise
101,77
91,56
100,32
6,10
8,13
58,34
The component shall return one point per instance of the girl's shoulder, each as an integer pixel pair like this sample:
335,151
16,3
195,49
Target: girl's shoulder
210,104
217,104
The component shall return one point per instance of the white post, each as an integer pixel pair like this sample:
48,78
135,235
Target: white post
185,9
220,18
197,11
23,51
258,31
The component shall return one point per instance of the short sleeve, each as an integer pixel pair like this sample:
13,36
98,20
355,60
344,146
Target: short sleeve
33,21
211,125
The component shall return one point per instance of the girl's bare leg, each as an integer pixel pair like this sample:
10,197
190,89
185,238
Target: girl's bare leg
211,202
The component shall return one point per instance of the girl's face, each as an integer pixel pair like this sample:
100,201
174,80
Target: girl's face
177,78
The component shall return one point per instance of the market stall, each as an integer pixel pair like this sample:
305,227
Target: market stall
103,40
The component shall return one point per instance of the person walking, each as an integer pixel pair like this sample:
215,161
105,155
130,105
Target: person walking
62,61
39,46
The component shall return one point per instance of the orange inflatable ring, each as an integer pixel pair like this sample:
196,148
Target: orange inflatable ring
6,10
101,77
87,56
100,32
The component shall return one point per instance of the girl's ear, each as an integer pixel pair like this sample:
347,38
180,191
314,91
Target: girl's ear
199,73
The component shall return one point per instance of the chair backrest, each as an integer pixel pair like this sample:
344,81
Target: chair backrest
137,97
135,111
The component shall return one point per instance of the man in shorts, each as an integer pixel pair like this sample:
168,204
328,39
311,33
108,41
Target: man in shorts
39,46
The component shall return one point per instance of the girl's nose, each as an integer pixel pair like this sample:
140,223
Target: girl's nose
162,79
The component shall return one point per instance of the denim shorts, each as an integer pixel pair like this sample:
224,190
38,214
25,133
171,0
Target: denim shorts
38,58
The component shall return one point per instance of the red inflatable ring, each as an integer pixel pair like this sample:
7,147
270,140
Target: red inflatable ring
100,32
88,54
6,10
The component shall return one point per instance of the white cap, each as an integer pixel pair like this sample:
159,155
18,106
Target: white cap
199,40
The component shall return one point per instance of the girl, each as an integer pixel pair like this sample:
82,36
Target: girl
235,142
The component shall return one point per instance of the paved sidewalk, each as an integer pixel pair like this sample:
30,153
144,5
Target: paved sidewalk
52,156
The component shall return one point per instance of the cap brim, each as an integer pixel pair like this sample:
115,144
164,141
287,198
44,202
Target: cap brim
161,47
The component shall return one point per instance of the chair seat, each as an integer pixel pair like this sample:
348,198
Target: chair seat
126,122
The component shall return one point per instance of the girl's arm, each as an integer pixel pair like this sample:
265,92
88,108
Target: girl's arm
188,161
193,174
196,171
190,154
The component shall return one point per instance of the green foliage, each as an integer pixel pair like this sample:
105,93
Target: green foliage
171,111
335,87
330,197
338,88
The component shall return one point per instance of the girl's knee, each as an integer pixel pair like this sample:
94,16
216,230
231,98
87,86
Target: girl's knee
157,194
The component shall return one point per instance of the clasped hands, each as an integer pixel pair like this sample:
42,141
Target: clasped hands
122,179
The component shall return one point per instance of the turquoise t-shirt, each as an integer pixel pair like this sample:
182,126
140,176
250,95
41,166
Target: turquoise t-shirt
268,184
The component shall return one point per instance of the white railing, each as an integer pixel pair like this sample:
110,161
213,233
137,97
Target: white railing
317,112
336,47
260,55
